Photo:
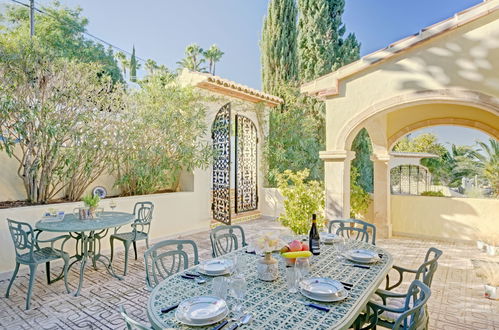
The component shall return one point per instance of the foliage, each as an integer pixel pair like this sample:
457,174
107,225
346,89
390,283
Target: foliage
490,163
359,198
213,55
362,162
321,46
47,108
193,59
59,33
124,62
301,200
433,193
292,142
91,200
133,66
489,271
160,138
278,46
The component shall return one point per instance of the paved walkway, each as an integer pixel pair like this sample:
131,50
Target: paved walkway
457,300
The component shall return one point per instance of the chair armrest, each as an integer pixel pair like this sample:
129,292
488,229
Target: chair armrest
53,240
400,271
383,308
404,270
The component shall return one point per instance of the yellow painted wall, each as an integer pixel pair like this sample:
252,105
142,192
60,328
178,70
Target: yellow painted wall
444,217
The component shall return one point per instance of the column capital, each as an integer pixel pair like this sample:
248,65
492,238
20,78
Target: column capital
380,157
336,155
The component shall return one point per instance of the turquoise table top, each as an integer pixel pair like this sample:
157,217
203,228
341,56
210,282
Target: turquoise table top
72,223
273,307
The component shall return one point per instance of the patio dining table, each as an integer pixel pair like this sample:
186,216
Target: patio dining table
272,306
88,234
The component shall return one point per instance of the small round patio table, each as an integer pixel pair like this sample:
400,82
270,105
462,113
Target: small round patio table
272,306
88,234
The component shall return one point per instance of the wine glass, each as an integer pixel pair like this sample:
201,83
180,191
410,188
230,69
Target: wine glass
112,204
238,291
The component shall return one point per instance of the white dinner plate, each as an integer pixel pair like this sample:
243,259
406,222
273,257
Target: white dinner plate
329,238
201,311
322,287
312,296
362,256
215,267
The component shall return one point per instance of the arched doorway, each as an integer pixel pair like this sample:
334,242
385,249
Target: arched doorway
235,188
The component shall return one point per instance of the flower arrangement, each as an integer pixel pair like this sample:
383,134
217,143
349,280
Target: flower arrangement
268,242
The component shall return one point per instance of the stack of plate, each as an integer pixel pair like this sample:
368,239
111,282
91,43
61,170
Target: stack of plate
323,289
362,256
215,267
329,238
201,311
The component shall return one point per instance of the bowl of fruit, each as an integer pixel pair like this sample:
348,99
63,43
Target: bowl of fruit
293,250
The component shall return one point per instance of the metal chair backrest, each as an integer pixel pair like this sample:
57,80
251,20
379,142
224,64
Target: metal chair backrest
224,240
23,238
131,324
426,271
166,258
414,311
354,229
143,212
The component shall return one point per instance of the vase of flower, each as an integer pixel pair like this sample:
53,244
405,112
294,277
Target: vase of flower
268,268
91,201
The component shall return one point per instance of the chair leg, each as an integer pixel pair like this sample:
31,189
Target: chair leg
127,247
66,267
47,269
147,243
14,274
32,274
135,249
111,241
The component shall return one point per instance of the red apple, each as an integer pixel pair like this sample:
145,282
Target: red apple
295,246
305,247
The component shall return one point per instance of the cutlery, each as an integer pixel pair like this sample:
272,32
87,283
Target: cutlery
252,252
380,255
192,275
169,308
197,280
358,266
346,283
221,325
243,320
322,308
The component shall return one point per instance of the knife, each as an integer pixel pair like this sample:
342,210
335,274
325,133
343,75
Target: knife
170,308
322,308
221,325
361,266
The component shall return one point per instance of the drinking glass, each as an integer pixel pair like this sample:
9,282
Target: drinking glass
340,247
112,204
302,266
238,291
238,264
219,287
291,279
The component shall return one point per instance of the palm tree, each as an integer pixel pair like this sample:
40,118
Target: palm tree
151,66
213,55
490,163
192,60
125,63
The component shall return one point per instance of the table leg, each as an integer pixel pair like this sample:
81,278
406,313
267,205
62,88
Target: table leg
83,259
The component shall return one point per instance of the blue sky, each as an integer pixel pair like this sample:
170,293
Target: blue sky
161,29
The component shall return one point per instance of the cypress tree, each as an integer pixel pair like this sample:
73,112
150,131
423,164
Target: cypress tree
278,46
321,47
133,66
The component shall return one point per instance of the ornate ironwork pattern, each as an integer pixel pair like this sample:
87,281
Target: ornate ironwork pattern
409,180
246,165
220,133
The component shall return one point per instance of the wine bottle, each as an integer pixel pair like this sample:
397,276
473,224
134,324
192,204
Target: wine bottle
313,237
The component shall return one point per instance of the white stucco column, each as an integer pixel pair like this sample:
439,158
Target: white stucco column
337,182
381,196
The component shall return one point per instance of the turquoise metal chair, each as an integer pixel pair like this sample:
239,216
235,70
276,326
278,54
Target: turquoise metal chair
28,252
131,324
166,258
409,315
140,230
354,229
224,240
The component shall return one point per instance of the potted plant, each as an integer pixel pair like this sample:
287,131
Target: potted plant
490,272
91,201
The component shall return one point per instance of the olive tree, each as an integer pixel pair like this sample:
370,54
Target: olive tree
50,112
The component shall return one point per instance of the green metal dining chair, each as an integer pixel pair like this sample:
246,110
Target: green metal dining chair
132,324
224,239
140,230
410,314
354,229
166,258
29,252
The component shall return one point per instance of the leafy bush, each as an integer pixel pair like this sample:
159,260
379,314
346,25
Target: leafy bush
359,198
433,193
91,200
301,200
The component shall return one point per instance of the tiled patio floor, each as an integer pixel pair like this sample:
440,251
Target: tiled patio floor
457,301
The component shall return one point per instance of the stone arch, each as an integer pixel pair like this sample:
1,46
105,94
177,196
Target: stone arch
392,140
446,96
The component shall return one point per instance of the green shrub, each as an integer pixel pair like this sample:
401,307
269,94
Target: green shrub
301,200
359,198
433,193
91,200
